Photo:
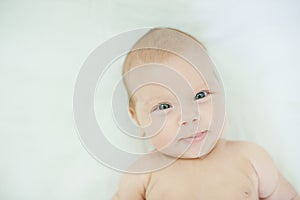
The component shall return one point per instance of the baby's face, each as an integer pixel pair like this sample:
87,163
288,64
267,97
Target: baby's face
185,113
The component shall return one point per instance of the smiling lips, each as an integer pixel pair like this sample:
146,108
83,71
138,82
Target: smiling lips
198,137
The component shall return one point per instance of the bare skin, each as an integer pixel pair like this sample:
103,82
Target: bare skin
232,170
227,170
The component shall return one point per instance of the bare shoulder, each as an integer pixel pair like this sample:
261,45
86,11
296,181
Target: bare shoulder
260,159
242,145
272,185
133,183
248,149
261,162
137,180
138,172
132,186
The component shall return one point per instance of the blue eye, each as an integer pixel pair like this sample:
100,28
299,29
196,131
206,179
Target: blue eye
163,106
201,94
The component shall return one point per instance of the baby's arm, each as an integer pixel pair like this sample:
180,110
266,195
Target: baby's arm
132,187
271,184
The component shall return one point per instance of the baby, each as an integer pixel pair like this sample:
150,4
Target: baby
186,100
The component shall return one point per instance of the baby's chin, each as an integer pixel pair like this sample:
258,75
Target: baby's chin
190,153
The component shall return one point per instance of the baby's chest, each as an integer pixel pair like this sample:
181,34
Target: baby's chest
215,182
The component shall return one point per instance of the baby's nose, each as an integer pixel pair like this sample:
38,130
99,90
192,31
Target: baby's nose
185,122
189,118
189,113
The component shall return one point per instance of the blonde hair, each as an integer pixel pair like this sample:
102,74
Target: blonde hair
146,50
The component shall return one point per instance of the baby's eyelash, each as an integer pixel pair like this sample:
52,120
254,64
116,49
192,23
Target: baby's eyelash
166,105
207,92
158,106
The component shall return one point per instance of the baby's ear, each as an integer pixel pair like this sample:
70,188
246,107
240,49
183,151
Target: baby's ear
133,115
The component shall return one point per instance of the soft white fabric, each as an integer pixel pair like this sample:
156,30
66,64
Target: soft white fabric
254,44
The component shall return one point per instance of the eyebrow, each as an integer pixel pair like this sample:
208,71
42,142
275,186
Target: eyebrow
202,86
155,98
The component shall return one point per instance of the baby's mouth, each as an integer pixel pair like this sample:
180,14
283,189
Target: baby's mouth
198,137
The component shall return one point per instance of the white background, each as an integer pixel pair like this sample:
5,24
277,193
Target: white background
255,45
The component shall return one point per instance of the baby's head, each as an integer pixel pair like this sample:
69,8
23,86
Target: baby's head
171,84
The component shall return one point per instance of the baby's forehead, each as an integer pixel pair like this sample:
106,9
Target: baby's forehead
154,79
171,68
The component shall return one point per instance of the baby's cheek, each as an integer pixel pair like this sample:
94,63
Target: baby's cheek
145,119
163,139
160,140
166,128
